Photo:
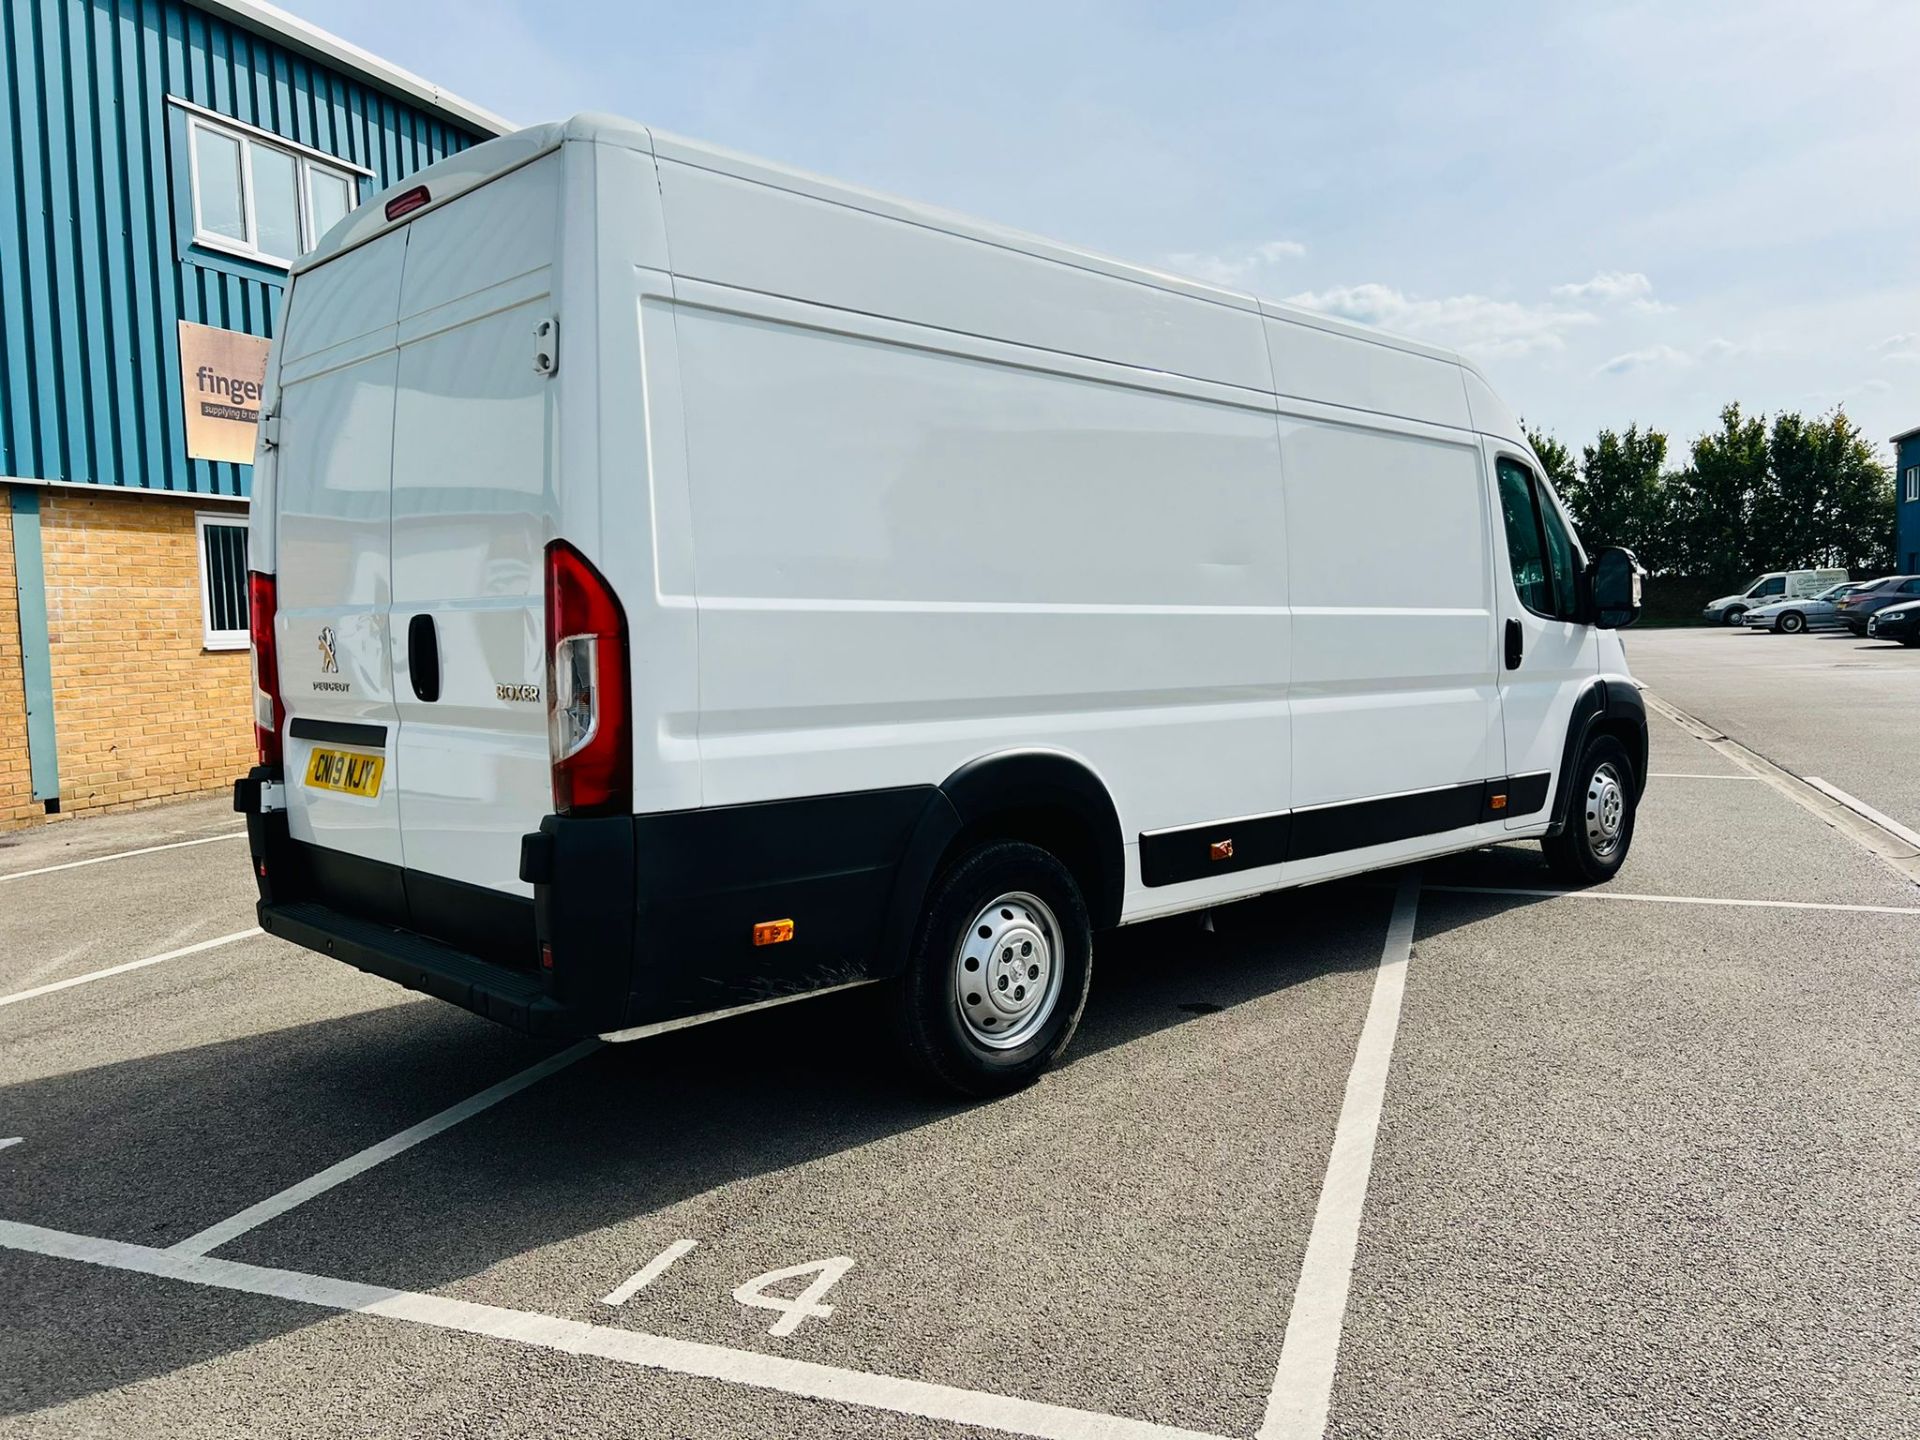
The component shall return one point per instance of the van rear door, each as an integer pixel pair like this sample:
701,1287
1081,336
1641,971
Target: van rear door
474,504
337,367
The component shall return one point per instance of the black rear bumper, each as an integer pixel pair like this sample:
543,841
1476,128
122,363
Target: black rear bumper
562,974
634,919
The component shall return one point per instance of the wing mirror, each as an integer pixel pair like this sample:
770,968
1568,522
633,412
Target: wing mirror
1614,580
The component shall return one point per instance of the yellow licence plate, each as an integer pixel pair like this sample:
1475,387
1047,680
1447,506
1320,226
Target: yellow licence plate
346,772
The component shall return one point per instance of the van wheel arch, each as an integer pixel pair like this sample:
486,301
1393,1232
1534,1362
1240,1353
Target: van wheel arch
1605,707
1043,797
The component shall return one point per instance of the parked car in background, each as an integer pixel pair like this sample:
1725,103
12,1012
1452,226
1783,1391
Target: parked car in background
1856,609
1790,617
1774,585
1896,622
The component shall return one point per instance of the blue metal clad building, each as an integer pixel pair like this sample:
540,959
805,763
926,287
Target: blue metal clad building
162,164
1906,506
98,251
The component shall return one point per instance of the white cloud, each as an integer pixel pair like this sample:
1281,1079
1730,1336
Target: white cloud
1616,287
1642,359
1235,270
1474,323
1672,357
1903,348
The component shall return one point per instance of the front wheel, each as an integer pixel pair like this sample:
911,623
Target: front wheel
1600,813
1791,623
1735,617
998,974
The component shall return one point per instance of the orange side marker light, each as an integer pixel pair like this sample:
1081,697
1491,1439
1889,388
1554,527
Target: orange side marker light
773,932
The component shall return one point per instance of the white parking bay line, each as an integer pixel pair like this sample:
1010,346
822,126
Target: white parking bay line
627,1347
68,984
1303,1384
1675,899
255,1216
125,855
1685,775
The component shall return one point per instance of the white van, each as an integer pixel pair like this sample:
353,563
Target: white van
686,585
1767,589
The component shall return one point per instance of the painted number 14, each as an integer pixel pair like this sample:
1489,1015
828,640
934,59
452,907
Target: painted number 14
809,1304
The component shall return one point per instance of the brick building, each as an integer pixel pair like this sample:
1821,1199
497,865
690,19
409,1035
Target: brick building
170,159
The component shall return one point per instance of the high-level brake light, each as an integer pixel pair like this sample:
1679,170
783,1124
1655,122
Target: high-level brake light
407,202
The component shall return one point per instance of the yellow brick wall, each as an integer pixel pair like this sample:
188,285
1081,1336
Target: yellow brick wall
17,805
142,710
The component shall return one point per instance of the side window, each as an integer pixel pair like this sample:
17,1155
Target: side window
1526,550
1776,586
1562,559
1540,549
1912,587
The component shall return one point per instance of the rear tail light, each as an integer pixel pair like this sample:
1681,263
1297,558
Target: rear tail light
589,720
268,712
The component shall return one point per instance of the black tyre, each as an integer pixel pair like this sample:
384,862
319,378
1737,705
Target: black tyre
1735,616
1791,623
1600,814
998,972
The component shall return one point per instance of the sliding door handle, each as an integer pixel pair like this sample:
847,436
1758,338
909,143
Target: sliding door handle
1516,645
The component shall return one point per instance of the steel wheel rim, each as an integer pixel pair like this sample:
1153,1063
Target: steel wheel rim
1606,810
1791,624
1007,971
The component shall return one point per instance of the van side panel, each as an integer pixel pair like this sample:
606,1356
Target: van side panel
1314,364
1393,675
623,482
912,551
778,242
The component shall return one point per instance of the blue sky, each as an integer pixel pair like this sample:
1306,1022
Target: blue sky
1625,211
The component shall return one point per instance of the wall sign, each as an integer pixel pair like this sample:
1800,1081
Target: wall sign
221,375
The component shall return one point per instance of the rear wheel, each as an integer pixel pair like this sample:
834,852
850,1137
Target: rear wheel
998,973
1600,813
1791,623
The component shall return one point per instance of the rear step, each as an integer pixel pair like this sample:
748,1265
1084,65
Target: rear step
515,998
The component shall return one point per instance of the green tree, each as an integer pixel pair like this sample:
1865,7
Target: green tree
1713,503
1855,505
1557,459
1617,499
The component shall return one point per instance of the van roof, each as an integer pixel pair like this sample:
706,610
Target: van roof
458,173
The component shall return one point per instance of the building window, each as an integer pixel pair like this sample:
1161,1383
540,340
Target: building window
1913,482
266,202
223,581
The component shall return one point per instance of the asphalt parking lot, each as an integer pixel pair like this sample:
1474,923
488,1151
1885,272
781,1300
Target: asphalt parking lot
1828,704
1443,1153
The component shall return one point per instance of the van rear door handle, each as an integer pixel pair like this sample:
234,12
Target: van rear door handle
1516,644
423,658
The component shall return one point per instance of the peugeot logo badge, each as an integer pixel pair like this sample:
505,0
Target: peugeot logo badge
328,664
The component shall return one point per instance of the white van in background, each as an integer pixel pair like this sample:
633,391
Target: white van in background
686,585
1775,585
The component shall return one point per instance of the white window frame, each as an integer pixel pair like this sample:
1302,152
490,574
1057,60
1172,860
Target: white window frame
249,138
1913,482
210,638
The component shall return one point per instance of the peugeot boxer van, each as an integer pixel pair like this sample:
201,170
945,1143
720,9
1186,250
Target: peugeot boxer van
684,585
